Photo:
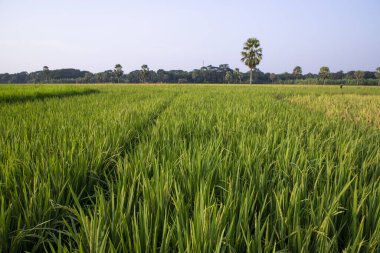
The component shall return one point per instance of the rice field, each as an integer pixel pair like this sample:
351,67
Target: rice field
189,168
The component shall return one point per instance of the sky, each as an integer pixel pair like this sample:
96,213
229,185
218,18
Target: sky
95,35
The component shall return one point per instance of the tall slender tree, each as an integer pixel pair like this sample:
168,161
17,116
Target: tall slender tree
237,75
144,72
228,77
252,54
324,73
297,72
118,72
46,72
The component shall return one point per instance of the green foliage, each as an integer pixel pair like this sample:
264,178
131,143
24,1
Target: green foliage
324,73
297,72
118,72
46,72
228,77
144,73
237,75
252,54
272,77
358,76
207,74
181,168
378,74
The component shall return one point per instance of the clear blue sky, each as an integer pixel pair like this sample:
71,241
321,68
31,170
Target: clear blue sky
94,35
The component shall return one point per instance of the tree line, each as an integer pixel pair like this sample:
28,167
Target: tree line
208,74
252,54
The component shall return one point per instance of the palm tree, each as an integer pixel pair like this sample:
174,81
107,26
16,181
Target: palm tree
251,55
324,73
118,71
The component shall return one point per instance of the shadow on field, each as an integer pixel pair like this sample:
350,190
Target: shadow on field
43,96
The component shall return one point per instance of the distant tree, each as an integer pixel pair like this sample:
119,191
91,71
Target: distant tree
144,72
196,75
205,74
297,72
338,75
251,55
349,75
160,75
22,77
237,75
153,76
46,72
182,80
33,78
99,78
88,78
224,67
228,77
272,77
134,76
358,76
324,73
118,72
377,74
220,72
107,76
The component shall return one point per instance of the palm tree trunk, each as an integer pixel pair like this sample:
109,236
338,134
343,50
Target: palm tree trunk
250,77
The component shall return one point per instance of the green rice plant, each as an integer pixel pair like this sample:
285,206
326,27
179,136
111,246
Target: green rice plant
51,146
352,107
191,168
